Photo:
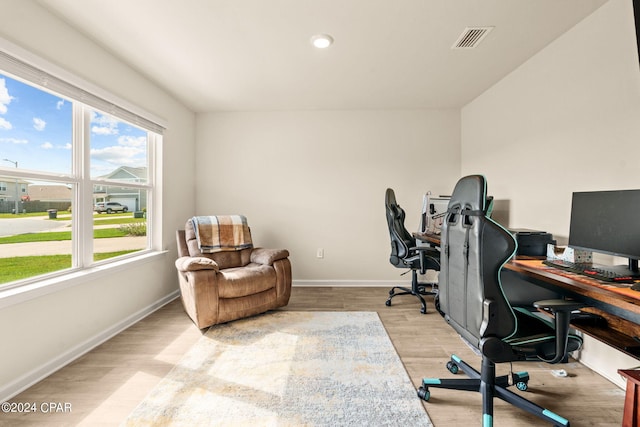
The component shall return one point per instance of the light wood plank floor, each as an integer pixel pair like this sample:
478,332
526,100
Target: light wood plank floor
106,384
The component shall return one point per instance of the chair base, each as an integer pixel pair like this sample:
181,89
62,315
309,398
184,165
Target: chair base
490,386
417,289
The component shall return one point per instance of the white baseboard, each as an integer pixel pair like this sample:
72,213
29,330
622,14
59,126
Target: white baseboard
605,360
351,283
7,391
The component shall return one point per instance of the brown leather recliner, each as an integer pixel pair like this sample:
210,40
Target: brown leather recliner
228,285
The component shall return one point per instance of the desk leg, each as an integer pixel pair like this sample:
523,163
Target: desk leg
631,416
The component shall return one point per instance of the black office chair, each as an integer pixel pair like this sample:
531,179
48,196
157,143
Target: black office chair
474,248
406,254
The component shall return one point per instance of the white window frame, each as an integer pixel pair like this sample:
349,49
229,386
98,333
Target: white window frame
13,62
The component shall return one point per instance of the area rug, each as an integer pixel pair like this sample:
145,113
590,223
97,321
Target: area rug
287,368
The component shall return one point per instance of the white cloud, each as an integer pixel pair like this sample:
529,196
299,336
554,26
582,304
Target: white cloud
103,125
4,124
104,130
59,104
129,151
132,141
118,155
5,98
39,124
13,140
66,146
48,146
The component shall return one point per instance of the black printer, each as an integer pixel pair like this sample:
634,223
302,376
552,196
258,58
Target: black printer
532,242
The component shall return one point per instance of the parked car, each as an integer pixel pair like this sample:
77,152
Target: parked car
110,207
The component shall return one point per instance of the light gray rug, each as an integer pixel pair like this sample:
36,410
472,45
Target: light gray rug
288,368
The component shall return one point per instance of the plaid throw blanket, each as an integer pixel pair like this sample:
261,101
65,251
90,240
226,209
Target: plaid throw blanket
222,233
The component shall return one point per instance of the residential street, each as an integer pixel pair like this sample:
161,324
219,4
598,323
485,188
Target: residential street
18,225
64,247
31,224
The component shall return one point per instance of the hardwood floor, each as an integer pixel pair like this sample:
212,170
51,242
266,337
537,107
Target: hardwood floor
105,385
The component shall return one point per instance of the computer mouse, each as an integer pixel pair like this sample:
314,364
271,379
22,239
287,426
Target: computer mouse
636,286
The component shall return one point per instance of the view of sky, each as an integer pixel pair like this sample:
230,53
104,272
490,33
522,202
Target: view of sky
36,132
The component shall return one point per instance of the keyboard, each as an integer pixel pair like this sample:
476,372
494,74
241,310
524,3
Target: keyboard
589,270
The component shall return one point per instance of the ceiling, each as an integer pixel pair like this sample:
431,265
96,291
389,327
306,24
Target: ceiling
256,55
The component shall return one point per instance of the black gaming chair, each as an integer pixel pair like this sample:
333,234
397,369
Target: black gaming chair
474,248
406,254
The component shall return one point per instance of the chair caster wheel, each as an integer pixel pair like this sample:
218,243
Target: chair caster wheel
424,394
388,303
423,310
520,380
452,367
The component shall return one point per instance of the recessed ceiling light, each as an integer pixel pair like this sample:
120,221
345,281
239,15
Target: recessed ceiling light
322,41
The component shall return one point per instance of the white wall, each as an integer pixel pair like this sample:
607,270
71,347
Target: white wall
316,179
42,333
566,120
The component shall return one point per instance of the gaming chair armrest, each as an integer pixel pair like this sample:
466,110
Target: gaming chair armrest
429,258
561,310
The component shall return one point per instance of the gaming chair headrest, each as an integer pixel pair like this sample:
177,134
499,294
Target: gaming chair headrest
470,193
390,198
394,211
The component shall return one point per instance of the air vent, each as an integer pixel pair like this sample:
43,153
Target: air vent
471,37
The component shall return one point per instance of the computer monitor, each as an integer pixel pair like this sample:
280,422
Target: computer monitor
607,222
433,211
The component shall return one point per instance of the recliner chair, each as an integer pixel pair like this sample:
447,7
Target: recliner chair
220,286
474,249
406,254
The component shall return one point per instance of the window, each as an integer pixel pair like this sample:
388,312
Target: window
77,181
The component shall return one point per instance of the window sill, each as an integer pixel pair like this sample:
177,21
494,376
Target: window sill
19,294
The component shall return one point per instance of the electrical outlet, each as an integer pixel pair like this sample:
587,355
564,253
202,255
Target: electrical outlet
320,253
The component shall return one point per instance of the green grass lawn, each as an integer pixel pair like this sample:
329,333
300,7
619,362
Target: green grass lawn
30,214
18,268
118,220
51,236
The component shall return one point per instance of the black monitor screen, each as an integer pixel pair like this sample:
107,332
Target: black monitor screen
607,222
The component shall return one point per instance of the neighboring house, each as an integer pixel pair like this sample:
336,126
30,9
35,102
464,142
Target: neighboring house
133,198
42,197
12,192
50,193
10,187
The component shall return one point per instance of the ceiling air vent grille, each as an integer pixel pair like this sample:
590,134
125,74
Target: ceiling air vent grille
471,37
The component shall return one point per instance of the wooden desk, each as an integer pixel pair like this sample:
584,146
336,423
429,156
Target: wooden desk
618,305
433,239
